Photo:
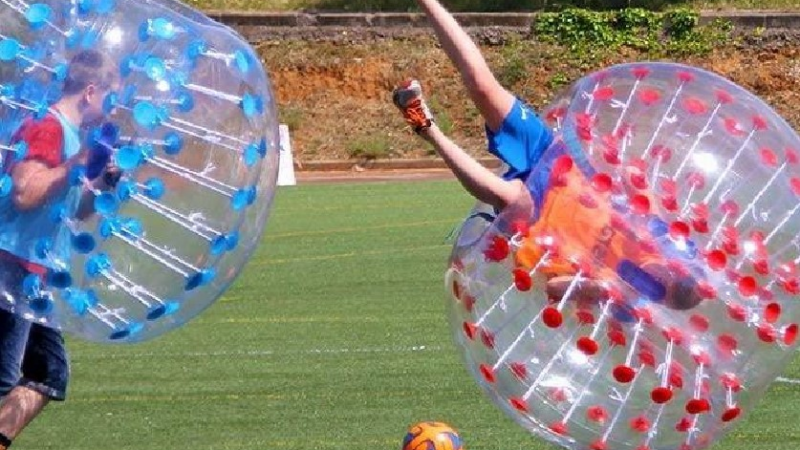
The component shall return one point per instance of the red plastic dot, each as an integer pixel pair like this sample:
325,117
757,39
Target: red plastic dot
611,155
723,96
661,395
649,96
557,395
698,406
662,153
487,338
647,359
588,346
695,106
624,374
790,334
795,182
679,230
700,225
552,317
699,323
602,182
522,280
737,312
684,425
644,315
676,379
748,286
686,77
730,208
702,358
599,445
617,338
640,204
640,424
769,157
559,428
562,165
488,373
498,249
727,343
555,114
790,285
669,202
640,72
673,334
760,123
587,200
584,317
596,414
519,404
470,329
638,180
772,312
767,333
761,266
456,290
732,127
469,302
731,382
731,414
706,291
716,260
604,93
519,370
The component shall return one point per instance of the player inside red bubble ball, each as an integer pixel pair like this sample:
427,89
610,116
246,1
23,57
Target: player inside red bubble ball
585,224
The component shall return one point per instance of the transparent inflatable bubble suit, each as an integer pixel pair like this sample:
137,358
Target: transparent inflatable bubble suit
647,295
188,117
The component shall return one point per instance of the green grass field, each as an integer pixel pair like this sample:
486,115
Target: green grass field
333,338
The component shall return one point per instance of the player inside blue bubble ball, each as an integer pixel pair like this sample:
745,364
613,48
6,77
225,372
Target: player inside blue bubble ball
34,366
519,138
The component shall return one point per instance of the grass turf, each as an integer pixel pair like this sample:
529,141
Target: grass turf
333,338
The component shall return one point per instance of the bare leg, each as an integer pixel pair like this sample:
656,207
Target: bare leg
492,100
19,408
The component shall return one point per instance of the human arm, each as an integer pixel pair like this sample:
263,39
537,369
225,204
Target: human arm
35,182
492,100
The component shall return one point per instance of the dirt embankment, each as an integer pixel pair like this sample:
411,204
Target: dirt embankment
333,85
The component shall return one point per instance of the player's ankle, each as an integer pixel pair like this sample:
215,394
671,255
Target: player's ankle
5,442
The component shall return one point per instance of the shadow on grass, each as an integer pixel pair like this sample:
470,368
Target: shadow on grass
496,5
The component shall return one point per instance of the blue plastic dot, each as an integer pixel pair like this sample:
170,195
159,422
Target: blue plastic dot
31,285
89,39
73,38
110,102
144,32
20,150
239,200
172,307
85,7
119,334
218,245
97,264
232,240
251,155
105,6
38,14
200,279
106,204
42,305
6,185
262,147
185,102
154,188
58,212
76,175
195,49
77,301
83,243
60,72
146,115
42,247
127,94
126,189
128,157
163,28
41,111
251,195
107,227
156,312
251,105
59,279
155,68
242,61
132,228
9,49
173,143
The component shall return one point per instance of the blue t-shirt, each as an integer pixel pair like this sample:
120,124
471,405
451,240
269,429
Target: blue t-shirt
520,142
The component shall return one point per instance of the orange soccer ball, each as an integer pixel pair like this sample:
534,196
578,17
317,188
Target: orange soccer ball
432,436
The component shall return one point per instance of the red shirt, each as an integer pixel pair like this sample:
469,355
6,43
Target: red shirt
45,140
